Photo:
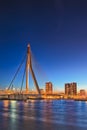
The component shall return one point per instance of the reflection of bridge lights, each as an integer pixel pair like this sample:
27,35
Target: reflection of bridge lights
13,103
6,103
32,101
86,102
13,114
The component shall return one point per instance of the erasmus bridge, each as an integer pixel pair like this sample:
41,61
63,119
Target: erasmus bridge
23,94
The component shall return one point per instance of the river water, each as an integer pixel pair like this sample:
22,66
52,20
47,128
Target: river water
43,115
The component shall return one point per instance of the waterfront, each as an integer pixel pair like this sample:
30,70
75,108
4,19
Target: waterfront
43,114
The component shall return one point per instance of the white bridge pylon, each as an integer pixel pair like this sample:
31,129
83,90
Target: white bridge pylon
29,68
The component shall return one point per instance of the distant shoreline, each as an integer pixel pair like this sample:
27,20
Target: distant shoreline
41,99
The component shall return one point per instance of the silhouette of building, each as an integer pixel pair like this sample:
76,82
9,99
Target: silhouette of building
48,88
82,92
71,88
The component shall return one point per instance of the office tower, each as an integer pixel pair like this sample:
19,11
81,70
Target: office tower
71,88
48,88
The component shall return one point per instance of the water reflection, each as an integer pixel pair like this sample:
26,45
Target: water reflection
5,103
43,114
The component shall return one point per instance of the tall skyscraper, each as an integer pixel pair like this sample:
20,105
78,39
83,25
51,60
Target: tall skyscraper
71,88
48,88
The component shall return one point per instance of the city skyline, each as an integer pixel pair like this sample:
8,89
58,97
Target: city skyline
57,34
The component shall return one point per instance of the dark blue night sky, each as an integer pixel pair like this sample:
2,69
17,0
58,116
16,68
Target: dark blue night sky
57,32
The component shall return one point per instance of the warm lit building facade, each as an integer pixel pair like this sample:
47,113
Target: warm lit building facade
71,88
82,92
42,91
48,88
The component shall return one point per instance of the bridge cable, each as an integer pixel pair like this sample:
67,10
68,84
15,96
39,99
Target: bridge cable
23,79
17,72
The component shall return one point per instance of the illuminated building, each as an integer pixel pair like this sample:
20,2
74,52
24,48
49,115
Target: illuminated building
82,92
71,88
48,88
42,91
